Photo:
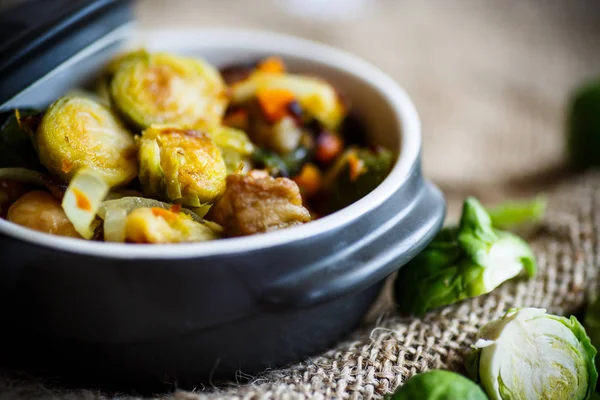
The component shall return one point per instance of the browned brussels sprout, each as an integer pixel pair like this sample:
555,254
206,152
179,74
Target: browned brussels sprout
167,89
77,132
180,166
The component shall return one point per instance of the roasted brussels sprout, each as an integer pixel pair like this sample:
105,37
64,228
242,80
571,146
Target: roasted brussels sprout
355,174
253,205
277,90
181,166
40,211
166,89
531,355
157,225
235,146
439,385
77,132
16,149
462,262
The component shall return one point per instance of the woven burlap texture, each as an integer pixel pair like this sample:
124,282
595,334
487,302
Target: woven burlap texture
388,348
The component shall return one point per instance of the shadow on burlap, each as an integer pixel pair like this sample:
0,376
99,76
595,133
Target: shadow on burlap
491,80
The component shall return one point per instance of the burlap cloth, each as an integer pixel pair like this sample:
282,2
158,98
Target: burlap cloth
491,80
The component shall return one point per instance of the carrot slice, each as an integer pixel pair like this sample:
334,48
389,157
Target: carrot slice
329,146
309,180
274,103
272,65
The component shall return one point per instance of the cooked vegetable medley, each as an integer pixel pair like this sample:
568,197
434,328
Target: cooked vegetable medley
171,149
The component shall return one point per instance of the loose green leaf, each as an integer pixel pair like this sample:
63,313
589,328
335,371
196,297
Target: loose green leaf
529,354
439,385
462,262
513,214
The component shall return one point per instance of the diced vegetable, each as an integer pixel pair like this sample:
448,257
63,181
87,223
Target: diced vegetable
157,225
273,65
309,180
181,166
16,149
315,96
77,133
253,205
462,262
329,147
274,103
512,214
82,200
531,355
42,212
167,89
584,127
439,385
355,174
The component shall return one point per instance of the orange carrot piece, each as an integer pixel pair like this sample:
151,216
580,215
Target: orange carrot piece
329,146
274,103
272,65
357,167
309,180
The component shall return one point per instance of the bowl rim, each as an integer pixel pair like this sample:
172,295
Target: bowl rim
276,43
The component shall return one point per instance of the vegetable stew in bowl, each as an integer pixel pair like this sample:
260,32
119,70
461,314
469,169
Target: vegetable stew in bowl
169,149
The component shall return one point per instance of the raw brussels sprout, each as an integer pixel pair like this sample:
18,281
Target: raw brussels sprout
592,324
315,96
235,146
41,211
180,166
439,385
355,174
584,127
16,149
77,132
167,89
531,355
157,225
512,214
462,262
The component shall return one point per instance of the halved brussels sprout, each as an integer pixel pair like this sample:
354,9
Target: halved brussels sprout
157,225
181,166
235,146
167,89
315,96
77,132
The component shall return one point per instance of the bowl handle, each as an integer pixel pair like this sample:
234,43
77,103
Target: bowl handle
379,255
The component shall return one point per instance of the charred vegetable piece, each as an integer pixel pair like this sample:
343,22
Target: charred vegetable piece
235,146
181,166
16,149
167,89
355,174
329,147
157,225
40,211
77,132
317,97
254,205
30,177
584,127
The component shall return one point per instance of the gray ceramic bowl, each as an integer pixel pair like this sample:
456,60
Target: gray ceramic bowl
187,313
